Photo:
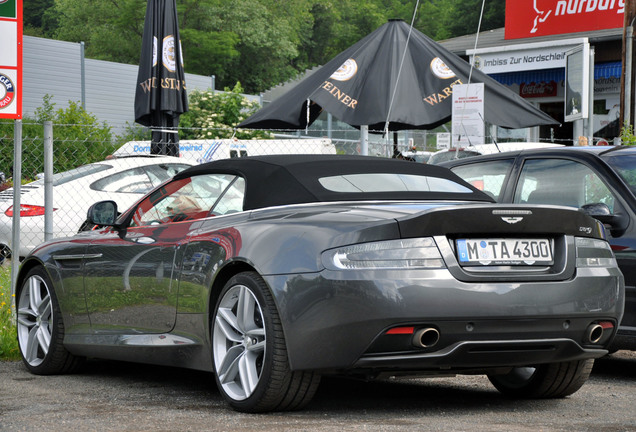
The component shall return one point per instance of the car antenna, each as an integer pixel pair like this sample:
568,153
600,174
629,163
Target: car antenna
494,140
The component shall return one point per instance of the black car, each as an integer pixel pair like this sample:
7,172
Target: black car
601,179
274,271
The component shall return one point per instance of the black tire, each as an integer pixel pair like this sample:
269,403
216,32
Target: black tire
554,380
249,351
5,253
40,327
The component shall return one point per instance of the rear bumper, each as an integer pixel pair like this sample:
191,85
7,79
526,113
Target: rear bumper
483,354
342,316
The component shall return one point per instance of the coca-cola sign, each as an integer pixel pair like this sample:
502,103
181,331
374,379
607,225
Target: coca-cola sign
536,90
529,18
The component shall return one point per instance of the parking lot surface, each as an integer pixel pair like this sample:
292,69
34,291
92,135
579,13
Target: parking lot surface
113,396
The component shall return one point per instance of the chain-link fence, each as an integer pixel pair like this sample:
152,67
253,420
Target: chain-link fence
94,168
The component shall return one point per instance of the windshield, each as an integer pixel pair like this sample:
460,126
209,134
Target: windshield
624,163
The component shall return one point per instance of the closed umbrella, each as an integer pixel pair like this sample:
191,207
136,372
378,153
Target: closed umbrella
160,96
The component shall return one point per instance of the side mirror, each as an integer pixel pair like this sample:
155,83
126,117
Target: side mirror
102,213
617,223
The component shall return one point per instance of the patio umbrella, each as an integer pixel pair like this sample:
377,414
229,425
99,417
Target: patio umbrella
160,96
358,87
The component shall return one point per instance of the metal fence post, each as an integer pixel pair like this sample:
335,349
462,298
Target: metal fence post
364,140
48,180
83,74
17,181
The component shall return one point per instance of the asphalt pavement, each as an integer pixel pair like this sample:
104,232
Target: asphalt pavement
114,396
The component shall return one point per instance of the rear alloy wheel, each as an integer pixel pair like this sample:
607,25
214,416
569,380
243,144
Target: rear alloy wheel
40,327
554,380
5,252
249,351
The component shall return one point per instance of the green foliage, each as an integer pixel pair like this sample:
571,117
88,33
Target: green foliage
111,29
8,336
627,135
78,139
133,132
214,115
259,43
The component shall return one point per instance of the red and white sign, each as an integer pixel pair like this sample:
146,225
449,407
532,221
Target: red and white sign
529,18
11,59
538,90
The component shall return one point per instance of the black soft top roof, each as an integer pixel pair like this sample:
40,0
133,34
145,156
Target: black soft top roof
294,179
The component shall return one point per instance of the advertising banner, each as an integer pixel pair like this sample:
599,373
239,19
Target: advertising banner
11,59
529,18
468,115
523,57
577,76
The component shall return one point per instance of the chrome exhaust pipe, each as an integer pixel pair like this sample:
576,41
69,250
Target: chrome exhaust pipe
426,337
594,333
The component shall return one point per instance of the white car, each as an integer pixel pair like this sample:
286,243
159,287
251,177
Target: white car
482,149
123,180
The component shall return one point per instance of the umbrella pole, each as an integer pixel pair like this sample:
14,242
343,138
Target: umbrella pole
396,152
364,140
165,138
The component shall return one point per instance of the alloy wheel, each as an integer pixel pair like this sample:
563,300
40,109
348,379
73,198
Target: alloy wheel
239,342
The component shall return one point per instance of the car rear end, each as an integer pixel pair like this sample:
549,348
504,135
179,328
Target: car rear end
464,288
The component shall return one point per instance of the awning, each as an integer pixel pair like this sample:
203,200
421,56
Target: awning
601,70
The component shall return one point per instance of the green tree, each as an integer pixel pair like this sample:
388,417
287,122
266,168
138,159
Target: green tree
214,115
464,16
260,43
111,29
39,18
78,139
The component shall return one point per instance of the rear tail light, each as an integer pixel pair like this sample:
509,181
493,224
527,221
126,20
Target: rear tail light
416,253
592,252
27,210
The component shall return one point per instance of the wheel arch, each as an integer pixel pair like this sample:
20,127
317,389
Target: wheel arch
26,267
223,275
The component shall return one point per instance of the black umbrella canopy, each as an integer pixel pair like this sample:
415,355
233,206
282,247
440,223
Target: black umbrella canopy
160,97
357,87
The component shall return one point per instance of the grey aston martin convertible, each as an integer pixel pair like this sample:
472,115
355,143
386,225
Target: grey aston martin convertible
273,271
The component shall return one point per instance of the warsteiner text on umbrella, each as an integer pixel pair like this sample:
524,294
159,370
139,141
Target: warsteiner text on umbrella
166,83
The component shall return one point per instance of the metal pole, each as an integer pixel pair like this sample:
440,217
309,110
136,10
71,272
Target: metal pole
364,140
17,180
627,74
48,180
626,97
83,74
590,111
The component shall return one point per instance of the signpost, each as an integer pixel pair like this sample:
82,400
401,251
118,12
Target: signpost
468,115
11,59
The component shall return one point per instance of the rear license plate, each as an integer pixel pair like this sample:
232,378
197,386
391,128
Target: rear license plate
504,251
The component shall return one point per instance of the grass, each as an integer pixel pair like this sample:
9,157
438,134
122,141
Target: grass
8,341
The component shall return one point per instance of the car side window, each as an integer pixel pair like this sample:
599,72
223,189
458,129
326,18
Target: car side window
561,182
191,198
130,181
488,176
162,172
138,180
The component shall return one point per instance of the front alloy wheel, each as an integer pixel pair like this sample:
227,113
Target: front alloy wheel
40,327
249,351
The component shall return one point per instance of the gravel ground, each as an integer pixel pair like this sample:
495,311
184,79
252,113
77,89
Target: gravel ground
113,396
